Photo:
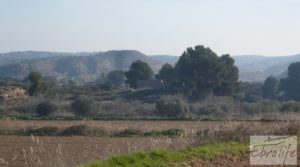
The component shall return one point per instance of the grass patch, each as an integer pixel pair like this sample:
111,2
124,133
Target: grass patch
168,132
164,158
128,133
76,130
83,130
153,133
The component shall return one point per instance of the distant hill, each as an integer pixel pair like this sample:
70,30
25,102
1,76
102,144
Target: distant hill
88,66
257,68
165,58
74,66
14,57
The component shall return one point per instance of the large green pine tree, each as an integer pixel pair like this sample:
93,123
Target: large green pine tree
270,88
138,70
167,73
291,84
201,72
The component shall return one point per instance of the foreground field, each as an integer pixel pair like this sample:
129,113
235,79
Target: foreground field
176,158
19,151
70,151
227,154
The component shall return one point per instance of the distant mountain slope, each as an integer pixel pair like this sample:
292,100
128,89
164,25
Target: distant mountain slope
84,68
165,58
257,68
13,57
87,66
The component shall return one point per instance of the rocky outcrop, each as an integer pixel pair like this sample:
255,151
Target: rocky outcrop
12,92
78,68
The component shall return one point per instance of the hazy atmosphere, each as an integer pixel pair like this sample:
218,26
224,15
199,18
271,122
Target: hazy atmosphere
149,83
238,27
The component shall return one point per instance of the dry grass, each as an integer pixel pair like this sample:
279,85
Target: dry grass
190,127
70,151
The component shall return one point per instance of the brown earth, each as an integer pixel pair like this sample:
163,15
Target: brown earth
26,151
228,161
223,161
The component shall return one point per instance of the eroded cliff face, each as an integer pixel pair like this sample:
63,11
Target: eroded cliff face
12,92
75,66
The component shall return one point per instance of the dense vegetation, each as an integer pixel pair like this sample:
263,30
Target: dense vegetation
201,85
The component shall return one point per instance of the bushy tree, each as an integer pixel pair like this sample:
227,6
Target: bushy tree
138,70
116,77
228,84
173,106
218,107
201,72
167,73
250,92
83,106
106,85
45,108
291,84
36,83
270,88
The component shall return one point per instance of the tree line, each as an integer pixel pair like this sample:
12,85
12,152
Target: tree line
199,72
285,88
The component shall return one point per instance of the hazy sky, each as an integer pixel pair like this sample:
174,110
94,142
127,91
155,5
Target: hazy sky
269,27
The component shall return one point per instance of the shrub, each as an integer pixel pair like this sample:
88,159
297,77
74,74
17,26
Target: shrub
173,132
152,133
44,131
270,106
79,130
83,106
107,85
266,106
239,134
1,112
109,105
98,132
45,108
117,108
128,133
116,77
290,106
145,109
76,130
168,133
169,105
215,106
251,108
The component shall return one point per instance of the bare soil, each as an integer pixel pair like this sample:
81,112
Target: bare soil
31,151
19,151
